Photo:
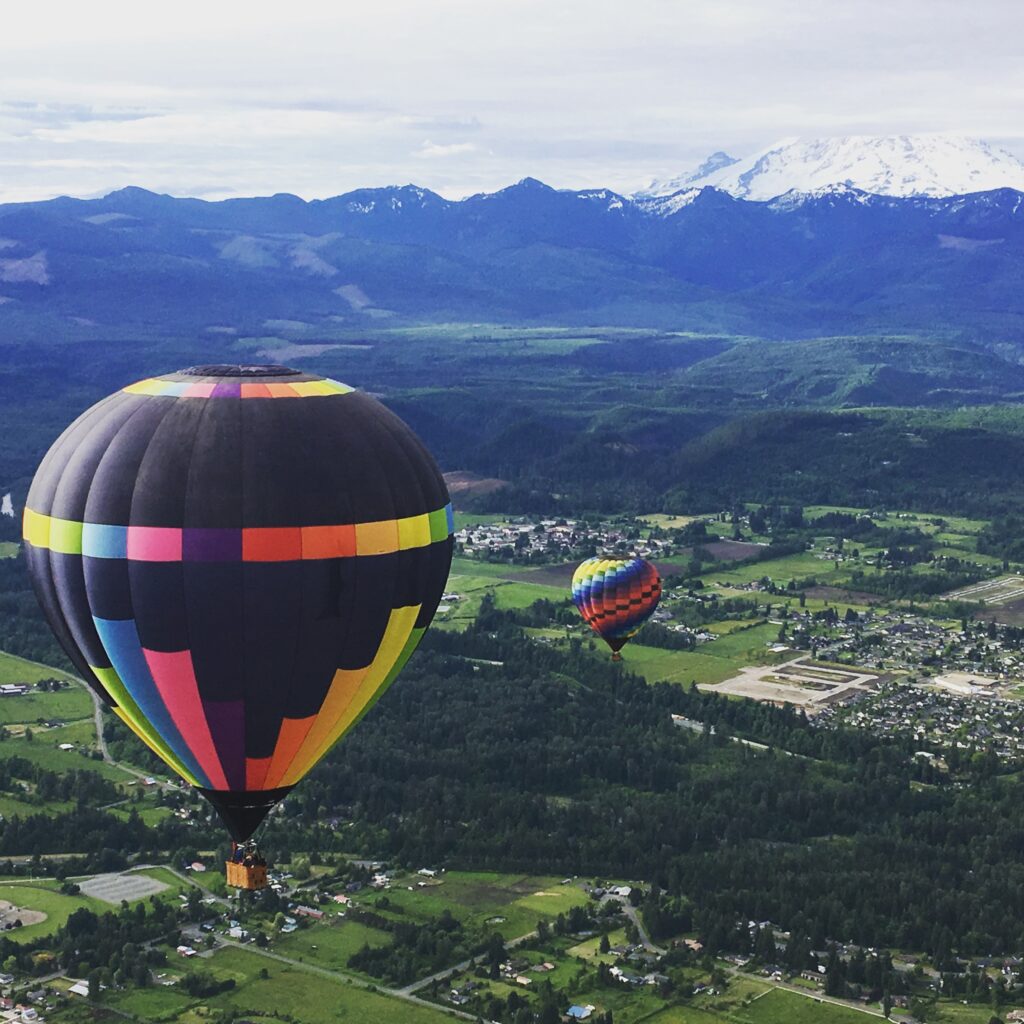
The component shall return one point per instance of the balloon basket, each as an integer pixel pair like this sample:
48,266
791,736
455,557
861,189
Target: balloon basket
246,869
616,656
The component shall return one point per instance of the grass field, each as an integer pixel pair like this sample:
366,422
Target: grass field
8,548
43,896
286,993
19,670
43,750
308,997
68,705
685,1015
777,1006
507,594
476,897
330,942
713,662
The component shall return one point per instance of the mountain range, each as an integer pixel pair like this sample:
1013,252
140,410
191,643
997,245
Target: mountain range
890,165
832,260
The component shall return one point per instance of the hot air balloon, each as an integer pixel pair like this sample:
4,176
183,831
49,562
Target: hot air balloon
616,596
239,560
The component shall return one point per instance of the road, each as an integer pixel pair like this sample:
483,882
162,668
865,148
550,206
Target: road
458,968
645,940
817,996
349,979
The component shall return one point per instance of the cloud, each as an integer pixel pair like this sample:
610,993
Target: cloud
238,98
432,150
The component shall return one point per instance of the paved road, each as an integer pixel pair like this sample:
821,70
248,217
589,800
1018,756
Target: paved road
645,940
465,965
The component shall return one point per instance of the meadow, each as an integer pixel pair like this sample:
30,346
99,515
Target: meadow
265,987
478,899
44,897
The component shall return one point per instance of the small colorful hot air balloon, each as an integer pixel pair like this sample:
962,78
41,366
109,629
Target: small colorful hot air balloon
239,560
616,596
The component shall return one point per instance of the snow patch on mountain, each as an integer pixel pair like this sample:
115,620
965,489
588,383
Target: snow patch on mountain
888,165
665,206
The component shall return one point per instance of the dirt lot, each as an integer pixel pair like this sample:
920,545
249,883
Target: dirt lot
9,913
463,484
800,682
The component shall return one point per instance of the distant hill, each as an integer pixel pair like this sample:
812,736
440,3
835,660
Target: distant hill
835,261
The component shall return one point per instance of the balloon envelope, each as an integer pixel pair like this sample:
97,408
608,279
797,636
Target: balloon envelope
239,560
616,596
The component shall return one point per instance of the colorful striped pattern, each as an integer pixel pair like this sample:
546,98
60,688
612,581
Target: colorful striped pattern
239,649
616,596
234,388
246,544
156,695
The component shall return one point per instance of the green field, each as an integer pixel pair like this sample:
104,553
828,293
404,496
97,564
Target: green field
67,705
685,1015
20,670
43,896
330,942
507,594
781,1007
8,548
289,993
43,750
475,898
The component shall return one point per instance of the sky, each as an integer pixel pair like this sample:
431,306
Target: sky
222,98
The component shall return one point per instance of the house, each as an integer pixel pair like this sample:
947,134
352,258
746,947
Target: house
186,951
238,933
579,1012
288,928
303,911
65,746
427,872
6,979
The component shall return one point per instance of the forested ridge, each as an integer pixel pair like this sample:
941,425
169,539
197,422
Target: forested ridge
557,763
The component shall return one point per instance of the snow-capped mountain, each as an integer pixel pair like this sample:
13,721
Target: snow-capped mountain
888,165
715,164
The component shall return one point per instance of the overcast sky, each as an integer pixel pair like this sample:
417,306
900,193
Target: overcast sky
222,98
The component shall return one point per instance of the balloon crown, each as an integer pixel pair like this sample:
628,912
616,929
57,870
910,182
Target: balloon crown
234,370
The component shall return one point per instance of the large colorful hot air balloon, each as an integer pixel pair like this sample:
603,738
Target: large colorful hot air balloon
239,560
616,596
